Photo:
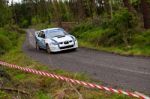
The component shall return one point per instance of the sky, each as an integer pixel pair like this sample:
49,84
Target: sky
15,1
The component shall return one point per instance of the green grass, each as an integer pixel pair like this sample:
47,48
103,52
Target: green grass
135,50
90,39
42,95
39,87
4,95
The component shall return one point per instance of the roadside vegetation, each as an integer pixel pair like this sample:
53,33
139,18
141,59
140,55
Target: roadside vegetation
9,36
121,35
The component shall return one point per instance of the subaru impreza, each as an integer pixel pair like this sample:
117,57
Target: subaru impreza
55,40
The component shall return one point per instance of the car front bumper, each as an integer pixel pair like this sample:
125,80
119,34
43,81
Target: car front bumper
57,48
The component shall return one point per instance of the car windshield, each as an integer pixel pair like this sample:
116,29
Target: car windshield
55,33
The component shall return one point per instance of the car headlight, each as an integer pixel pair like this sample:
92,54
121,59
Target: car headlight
54,42
74,39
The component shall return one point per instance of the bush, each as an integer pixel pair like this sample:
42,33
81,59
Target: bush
8,38
35,20
5,44
120,29
11,35
82,28
108,38
24,24
14,28
142,39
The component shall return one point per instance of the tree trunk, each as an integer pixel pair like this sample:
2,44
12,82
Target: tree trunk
81,11
128,5
108,7
111,8
145,7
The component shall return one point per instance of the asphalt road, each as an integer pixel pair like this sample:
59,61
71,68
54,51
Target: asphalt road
129,73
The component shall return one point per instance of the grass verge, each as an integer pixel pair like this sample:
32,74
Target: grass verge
134,51
91,38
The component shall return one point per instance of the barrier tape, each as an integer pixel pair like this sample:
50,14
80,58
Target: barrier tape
86,84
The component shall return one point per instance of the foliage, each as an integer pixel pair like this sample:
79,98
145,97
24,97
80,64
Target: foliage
24,24
8,38
116,31
5,44
86,25
4,95
142,39
120,35
35,21
120,29
42,95
5,13
30,12
81,28
138,49
22,14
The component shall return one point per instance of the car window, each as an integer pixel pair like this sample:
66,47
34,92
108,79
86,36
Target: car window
55,33
41,34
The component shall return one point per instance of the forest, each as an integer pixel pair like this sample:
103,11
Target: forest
39,11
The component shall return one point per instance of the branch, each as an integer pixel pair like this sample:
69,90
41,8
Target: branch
16,90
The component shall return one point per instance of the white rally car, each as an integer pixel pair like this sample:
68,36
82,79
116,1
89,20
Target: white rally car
55,40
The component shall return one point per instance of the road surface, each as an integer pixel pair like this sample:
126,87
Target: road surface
129,73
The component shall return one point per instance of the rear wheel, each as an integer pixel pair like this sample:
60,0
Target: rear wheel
48,49
37,46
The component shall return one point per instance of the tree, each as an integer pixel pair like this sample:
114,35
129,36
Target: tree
5,13
145,8
81,11
108,7
128,5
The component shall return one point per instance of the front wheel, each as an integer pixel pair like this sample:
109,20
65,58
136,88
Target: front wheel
75,49
48,49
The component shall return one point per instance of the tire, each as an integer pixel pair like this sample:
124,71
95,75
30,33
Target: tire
37,46
48,50
75,49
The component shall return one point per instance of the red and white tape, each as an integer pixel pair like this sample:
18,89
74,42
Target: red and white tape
90,85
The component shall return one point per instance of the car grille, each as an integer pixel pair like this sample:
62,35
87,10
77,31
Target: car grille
66,42
66,47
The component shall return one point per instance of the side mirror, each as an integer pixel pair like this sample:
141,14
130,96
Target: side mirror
43,35
38,35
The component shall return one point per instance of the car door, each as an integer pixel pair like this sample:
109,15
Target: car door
41,40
